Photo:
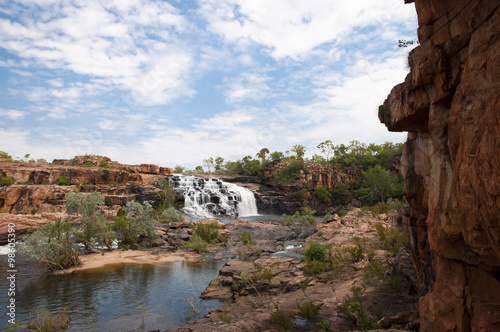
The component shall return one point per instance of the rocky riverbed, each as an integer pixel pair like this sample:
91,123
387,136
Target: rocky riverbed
360,283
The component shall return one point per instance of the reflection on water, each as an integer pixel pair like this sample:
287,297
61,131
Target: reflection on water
117,297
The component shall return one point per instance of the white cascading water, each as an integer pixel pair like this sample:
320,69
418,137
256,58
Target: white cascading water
209,197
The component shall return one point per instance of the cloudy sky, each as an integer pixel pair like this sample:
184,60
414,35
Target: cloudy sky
175,82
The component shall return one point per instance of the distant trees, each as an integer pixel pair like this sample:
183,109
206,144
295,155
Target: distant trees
326,148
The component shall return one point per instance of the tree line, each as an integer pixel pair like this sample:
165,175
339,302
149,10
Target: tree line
375,168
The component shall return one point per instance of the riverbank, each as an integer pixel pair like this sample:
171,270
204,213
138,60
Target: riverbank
119,256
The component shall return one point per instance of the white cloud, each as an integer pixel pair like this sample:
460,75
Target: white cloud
12,114
122,42
295,28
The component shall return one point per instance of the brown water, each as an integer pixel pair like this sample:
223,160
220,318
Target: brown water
121,297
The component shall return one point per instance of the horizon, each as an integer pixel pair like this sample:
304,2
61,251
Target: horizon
176,82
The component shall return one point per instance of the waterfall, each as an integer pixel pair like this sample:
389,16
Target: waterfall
209,197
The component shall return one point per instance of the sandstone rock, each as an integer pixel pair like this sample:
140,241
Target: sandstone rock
449,105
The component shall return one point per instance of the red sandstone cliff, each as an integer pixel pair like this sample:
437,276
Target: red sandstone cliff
450,105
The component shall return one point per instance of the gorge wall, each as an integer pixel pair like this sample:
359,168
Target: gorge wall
450,105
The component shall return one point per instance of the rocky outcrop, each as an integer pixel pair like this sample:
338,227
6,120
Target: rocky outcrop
30,173
24,199
449,104
105,162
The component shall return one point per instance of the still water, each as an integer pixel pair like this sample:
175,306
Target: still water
120,297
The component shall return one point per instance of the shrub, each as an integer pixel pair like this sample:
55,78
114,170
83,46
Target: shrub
356,312
208,231
309,309
306,217
197,244
325,326
6,181
283,319
355,252
314,252
246,238
46,321
141,218
94,225
125,232
52,245
171,215
167,194
314,268
63,181
391,238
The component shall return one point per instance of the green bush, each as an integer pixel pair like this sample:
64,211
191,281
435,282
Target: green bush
356,312
315,252
306,217
357,251
63,181
314,268
283,319
141,219
208,232
392,239
6,181
94,226
197,244
52,245
246,238
171,215
309,309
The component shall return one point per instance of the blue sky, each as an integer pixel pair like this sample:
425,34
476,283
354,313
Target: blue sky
175,82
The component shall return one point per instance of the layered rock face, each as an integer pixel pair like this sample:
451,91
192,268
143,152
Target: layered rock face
450,105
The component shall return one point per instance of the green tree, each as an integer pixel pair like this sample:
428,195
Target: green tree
141,218
179,169
327,149
4,156
262,154
299,150
219,164
199,169
277,156
379,180
94,225
52,245
208,163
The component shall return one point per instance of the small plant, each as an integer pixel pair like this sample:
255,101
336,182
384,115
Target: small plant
314,267
197,244
306,217
46,321
374,271
283,319
355,252
63,181
246,238
6,181
309,309
326,217
325,326
314,252
223,316
356,312
208,231
171,215
392,239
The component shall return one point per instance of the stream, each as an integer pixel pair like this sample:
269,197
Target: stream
118,297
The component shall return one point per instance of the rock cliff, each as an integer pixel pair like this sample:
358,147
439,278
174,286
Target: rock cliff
449,104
